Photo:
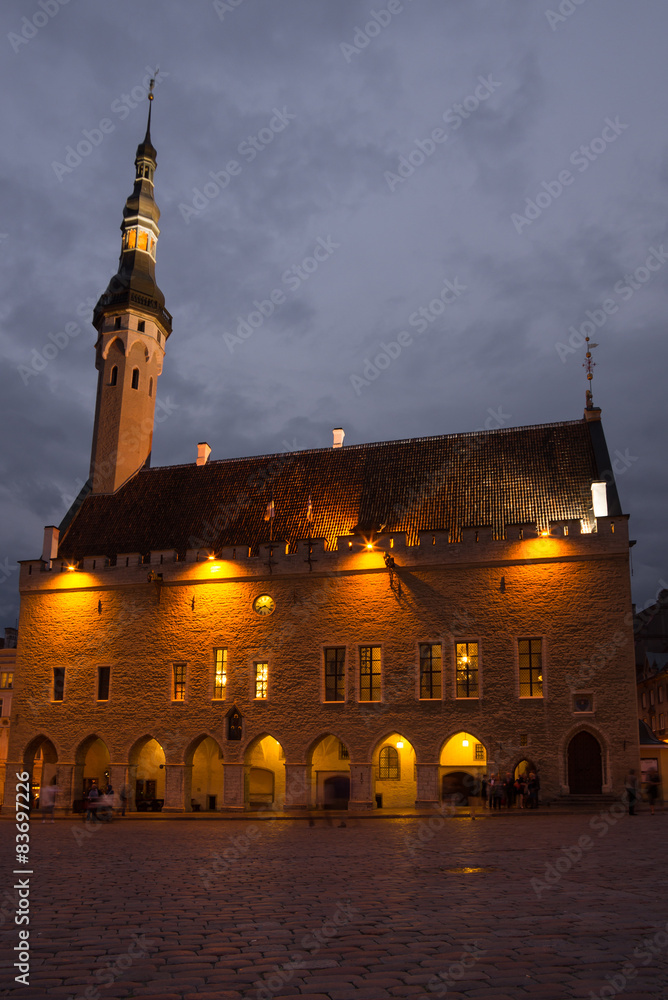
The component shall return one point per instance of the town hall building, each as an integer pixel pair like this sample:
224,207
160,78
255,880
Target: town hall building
367,626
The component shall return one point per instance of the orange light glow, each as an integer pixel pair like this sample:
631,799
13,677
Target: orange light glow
369,545
465,743
400,745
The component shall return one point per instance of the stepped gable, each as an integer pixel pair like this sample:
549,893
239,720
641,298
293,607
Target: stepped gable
511,476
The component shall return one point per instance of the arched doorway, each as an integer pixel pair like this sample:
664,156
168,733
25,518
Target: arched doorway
203,786
585,765
264,774
40,759
91,768
330,773
463,760
395,773
524,769
147,775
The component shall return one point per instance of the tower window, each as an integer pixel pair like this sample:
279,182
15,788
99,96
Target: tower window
135,378
150,387
141,325
467,670
114,376
370,676
117,323
531,668
335,673
142,241
261,677
103,683
58,683
430,670
179,682
220,674
158,338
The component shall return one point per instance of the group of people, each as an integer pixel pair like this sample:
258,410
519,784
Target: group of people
632,787
99,805
506,792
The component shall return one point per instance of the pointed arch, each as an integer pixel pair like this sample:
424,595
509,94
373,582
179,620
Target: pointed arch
115,345
264,772
204,774
328,769
394,771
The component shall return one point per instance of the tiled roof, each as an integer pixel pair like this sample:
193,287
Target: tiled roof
509,476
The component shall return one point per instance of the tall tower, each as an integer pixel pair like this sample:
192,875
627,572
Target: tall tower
133,326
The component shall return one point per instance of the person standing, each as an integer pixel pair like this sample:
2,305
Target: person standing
631,786
653,782
47,800
533,788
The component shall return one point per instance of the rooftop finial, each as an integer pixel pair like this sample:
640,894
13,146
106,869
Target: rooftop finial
589,365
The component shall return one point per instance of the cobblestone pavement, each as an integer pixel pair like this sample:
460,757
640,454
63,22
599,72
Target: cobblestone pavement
508,906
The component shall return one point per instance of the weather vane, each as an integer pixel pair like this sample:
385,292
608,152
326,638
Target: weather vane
152,85
589,365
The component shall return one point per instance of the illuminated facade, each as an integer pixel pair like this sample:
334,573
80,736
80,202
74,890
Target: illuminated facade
355,626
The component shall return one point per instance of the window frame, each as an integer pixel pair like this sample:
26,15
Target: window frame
62,678
344,678
97,690
431,644
372,674
467,641
389,752
181,665
257,680
135,379
542,667
214,676
7,680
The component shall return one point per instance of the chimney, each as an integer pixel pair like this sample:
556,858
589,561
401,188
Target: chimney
50,547
203,452
339,435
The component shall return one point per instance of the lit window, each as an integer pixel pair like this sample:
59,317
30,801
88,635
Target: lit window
369,673
220,674
479,751
103,683
132,238
6,680
261,678
343,752
531,668
335,673
388,763
135,378
430,670
467,669
142,241
179,682
114,376
58,683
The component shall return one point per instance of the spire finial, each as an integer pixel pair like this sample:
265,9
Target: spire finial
589,365
150,105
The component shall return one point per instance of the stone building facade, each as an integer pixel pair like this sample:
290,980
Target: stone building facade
367,626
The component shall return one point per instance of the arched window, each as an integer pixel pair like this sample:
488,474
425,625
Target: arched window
388,763
114,376
150,387
135,378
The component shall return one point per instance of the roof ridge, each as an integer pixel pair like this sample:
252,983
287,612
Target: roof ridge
370,444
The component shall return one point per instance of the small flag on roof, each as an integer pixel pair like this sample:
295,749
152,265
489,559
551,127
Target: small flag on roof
309,510
269,513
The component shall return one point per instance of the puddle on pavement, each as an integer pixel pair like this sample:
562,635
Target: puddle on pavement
469,871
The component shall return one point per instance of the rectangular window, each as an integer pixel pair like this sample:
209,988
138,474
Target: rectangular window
662,719
220,674
431,670
343,751
103,683
661,691
141,325
335,673
58,683
531,668
6,679
467,670
369,673
261,679
652,722
0,706
179,682
479,753
651,697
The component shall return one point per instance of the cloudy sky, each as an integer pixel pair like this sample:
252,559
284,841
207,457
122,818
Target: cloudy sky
498,154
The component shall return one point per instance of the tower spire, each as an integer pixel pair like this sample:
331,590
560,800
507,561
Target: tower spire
133,326
589,364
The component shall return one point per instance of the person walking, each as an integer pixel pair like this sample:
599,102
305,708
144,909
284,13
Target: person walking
533,788
653,782
124,799
47,800
509,790
91,803
631,786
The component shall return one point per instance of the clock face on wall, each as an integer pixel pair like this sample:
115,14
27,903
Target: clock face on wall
264,605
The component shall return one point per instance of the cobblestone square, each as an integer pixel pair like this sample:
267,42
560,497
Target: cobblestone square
509,906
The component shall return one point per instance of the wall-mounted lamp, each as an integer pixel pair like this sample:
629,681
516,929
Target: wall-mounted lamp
400,745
